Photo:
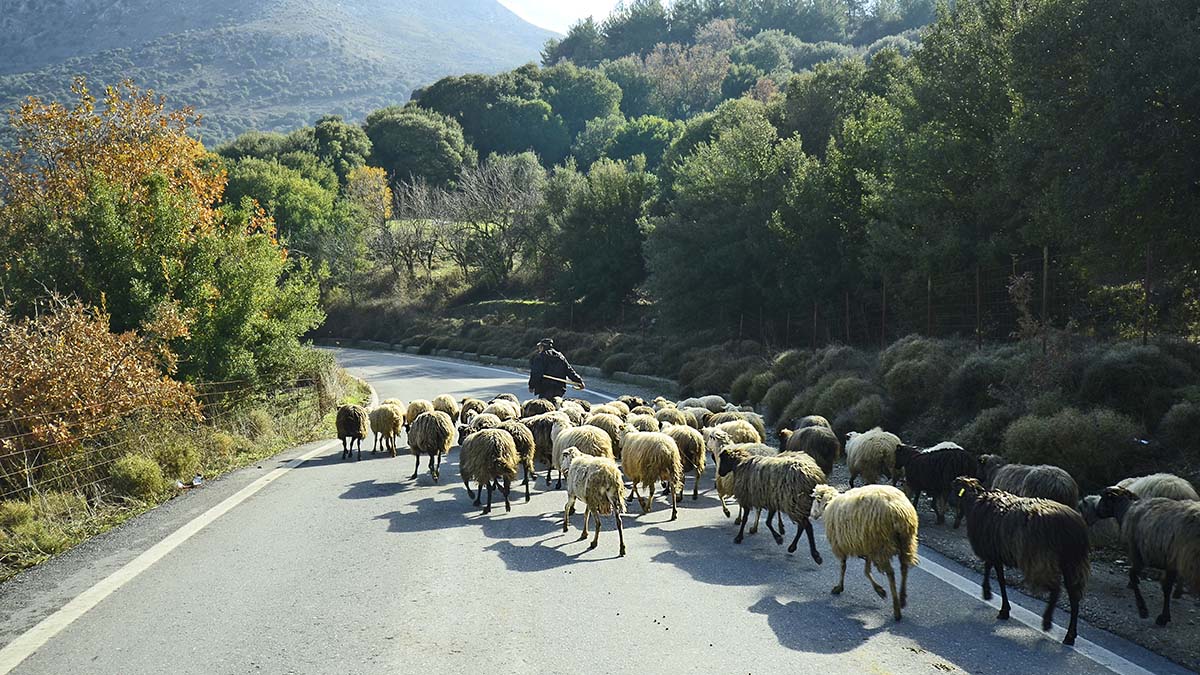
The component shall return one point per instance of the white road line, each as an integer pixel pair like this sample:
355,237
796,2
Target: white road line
1083,646
33,639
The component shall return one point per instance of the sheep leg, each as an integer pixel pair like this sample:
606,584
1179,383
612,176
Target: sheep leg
853,475
507,490
1135,571
467,483
620,527
488,509
867,571
527,485
674,505
841,584
891,575
596,538
779,520
812,542
548,469
567,511
375,442
344,449
587,515
987,580
939,508
649,505
757,516
359,458
392,444
433,468
903,583
557,485
1005,608
696,487
741,530
479,494
1075,593
1048,615
778,536
1168,583
958,514
416,467
796,539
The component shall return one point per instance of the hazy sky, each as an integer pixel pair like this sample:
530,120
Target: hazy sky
558,15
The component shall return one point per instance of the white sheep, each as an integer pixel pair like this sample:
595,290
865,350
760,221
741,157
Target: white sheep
875,523
648,457
871,454
597,482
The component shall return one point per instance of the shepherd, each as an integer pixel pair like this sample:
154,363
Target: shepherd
549,372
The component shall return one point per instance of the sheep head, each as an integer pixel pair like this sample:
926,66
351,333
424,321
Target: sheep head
568,456
967,490
1114,501
822,495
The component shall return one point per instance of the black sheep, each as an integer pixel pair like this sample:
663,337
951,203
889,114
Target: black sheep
1044,539
933,472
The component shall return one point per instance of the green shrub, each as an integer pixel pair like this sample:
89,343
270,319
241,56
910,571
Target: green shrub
985,433
916,384
35,539
137,477
259,424
911,348
739,389
867,413
617,362
972,385
57,506
837,359
791,364
1136,380
179,457
795,409
776,400
842,395
1180,429
14,513
427,346
760,384
1098,447
1048,404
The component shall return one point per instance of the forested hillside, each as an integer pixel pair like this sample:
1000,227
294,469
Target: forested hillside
263,64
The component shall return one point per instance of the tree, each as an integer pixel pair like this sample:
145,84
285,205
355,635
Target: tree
579,95
647,136
583,46
718,235
343,147
301,208
591,143
412,240
629,73
414,142
129,221
603,230
687,80
634,28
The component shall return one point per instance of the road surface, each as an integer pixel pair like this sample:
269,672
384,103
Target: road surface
349,567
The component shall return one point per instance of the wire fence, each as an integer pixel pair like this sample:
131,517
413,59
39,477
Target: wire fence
30,464
1020,299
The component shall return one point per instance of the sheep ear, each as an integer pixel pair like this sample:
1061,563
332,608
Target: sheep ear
962,491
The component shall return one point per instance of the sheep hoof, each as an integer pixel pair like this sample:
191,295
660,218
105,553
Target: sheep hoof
791,549
754,530
1046,623
837,590
1069,640
1143,612
817,559
897,615
564,528
1003,615
592,546
903,600
778,539
1162,620
987,594
674,515
737,539
622,551
582,536
880,592
486,511
507,508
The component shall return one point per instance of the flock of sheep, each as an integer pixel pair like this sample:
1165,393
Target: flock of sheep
1027,517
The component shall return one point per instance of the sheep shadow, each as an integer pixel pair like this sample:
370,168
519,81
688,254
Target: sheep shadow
837,632
426,515
706,553
373,489
538,557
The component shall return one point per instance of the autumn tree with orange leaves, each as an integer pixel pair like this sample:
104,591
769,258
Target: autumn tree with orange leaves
117,203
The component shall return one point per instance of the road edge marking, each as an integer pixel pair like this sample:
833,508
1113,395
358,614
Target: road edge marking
1086,648
26,644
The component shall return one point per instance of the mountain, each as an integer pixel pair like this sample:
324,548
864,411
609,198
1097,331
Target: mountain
257,64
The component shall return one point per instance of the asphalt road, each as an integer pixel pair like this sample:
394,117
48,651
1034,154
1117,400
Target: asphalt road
349,567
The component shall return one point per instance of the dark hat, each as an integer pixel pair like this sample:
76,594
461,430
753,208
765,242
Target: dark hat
548,343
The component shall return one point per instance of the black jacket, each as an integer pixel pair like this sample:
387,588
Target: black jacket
550,362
